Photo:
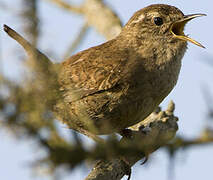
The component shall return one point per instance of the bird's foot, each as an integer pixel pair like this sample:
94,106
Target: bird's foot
145,129
127,133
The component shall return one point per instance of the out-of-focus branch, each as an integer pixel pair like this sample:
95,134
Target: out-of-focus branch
67,6
102,18
77,41
30,16
206,138
208,98
154,132
97,15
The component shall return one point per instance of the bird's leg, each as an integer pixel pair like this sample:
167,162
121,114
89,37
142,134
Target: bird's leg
128,133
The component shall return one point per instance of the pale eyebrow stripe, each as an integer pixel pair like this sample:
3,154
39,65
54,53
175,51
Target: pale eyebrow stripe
152,14
140,18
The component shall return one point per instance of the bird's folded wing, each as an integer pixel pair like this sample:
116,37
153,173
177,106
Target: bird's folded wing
91,71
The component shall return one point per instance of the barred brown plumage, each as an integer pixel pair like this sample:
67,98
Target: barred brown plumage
110,87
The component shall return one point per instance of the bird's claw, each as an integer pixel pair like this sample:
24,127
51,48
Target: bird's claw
146,158
145,129
127,133
128,170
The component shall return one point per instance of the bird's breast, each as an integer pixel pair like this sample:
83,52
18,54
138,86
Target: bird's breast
148,89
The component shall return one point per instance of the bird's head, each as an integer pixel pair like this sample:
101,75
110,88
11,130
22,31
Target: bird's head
160,23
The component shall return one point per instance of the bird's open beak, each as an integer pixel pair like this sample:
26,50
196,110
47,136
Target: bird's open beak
178,27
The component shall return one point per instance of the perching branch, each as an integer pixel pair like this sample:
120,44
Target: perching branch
152,133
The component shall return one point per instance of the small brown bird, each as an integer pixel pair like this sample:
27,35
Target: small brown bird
110,87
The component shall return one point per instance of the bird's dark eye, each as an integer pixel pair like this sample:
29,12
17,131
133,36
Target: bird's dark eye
158,21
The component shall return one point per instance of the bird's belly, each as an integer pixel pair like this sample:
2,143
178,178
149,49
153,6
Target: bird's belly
110,112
